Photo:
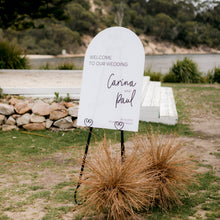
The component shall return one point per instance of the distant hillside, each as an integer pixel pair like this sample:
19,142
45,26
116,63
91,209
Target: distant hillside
155,47
164,26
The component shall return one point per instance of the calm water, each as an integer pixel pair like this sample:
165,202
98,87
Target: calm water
157,63
162,63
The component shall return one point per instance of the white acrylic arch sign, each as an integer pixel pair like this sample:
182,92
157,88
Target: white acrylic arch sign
112,81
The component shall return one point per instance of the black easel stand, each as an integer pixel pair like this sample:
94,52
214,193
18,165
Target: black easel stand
83,165
122,147
84,160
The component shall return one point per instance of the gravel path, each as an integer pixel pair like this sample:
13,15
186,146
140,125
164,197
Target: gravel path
40,78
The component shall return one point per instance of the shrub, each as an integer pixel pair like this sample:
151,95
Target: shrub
11,57
58,98
216,77
62,66
49,47
67,98
45,66
154,76
213,76
186,71
209,78
170,78
66,66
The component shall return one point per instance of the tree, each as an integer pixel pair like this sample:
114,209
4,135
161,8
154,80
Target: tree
188,34
20,14
80,19
211,16
168,7
120,14
186,11
163,26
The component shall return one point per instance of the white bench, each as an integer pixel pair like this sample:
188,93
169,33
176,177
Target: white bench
168,112
146,80
158,104
150,107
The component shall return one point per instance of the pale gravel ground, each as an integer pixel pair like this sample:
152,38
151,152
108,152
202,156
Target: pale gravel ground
40,78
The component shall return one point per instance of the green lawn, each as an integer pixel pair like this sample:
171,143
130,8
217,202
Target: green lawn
39,170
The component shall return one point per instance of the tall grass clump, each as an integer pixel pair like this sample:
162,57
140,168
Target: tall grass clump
184,71
154,76
66,66
115,187
213,76
45,66
170,78
209,78
172,171
11,57
62,66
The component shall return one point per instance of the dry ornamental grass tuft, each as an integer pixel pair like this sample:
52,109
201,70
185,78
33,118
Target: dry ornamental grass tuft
116,187
171,167
156,172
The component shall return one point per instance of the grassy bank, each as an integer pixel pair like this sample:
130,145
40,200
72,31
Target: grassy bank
39,170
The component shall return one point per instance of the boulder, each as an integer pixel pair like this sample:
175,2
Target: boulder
10,121
67,104
15,116
22,107
23,120
58,113
56,106
37,118
64,122
2,119
35,126
13,101
9,127
6,109
41,108
73,111
75,123
48,123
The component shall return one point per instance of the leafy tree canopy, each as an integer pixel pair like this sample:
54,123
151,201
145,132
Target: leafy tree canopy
40,24
20,14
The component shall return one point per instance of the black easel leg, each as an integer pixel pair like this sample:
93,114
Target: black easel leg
83,165
122,147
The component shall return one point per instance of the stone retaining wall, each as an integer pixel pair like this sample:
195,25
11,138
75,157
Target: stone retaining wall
37,114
